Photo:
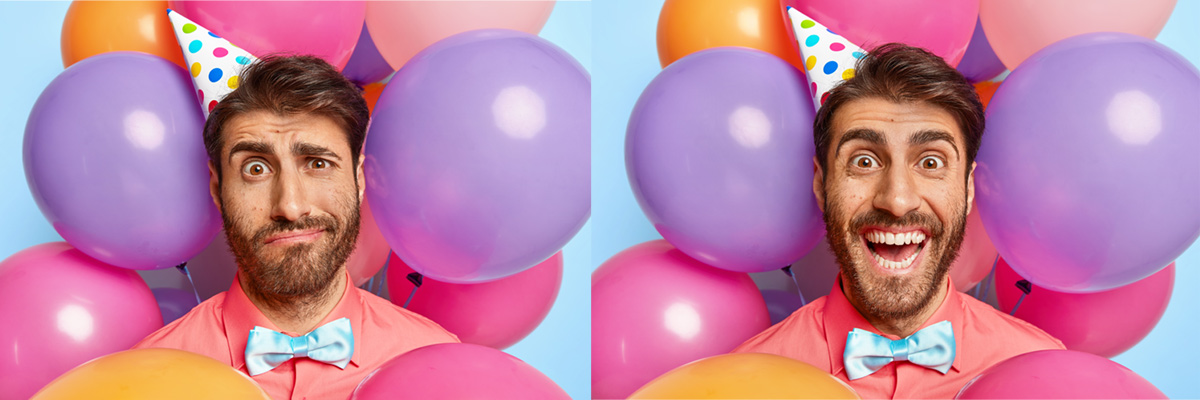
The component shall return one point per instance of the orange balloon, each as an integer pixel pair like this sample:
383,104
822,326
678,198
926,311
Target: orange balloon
371,94
746,376
986,89
688,26
152,374
94,27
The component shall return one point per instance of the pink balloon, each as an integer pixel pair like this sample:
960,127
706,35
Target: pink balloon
456,371
654,309
1018,28
326,29
60,308
400,29
943,27
371,250
1103,323
975,257
1059,374
496,314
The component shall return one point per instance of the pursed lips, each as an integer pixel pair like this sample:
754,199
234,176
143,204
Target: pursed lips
306,235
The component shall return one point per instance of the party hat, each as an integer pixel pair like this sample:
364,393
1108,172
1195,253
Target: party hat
214,62
828,57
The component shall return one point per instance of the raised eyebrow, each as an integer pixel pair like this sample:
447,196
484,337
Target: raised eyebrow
932,135
309,149
868,135
253,147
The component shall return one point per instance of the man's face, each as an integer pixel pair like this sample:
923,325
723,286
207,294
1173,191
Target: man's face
895,198
289,194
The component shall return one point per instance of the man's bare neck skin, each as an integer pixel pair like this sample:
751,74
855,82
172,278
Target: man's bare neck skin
298,314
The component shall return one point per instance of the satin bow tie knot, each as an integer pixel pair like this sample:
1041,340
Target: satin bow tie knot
932,347
332,343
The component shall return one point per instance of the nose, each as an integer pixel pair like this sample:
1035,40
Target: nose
291,201
897,193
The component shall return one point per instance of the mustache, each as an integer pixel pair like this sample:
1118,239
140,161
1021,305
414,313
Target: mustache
323,222
880,218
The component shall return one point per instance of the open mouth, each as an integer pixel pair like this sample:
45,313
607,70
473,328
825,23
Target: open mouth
894,251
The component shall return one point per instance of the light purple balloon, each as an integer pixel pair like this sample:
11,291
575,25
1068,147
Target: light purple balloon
60,308
366,65
1088,177
980,63
719,152
116,162
478,155
173,303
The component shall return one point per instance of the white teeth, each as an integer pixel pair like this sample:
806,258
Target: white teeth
895,238
896,264
890,238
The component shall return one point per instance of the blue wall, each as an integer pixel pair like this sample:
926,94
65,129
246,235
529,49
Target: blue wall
29,47
625,40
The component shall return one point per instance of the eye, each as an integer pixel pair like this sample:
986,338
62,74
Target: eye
932,162
318,163
864,161
256,168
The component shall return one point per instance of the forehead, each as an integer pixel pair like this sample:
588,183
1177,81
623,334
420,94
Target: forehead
896,121
281,131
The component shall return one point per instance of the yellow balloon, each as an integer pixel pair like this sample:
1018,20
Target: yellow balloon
746,376
152,374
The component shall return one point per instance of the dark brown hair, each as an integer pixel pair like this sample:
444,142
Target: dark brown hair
287,85
902,74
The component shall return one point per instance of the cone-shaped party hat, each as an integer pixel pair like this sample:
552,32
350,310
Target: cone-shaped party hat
828,57
214,63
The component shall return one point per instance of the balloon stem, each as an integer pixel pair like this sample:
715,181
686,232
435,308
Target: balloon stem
987,281
416,280
382,277
1025,287
370,284
183,269
788,270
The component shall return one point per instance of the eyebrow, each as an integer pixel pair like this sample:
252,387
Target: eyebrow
868,135
300,149
253,147
929,136
876,138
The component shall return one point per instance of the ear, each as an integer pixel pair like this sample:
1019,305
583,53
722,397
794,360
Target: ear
971,187
214,186
360,178
819,184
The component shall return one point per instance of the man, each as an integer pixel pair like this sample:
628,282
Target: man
895,150
287,175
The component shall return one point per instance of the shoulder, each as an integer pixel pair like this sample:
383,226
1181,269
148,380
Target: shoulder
795,334
384,316
1006,335
200,331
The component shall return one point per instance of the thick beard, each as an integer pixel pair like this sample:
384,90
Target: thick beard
894,297
304,270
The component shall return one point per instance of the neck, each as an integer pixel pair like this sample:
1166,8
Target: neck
901,327
298,314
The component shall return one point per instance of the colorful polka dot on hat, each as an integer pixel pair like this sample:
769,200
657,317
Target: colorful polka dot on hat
215,64
828,57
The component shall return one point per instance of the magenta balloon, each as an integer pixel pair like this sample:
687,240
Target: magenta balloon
980,62
1102,323
1059,374
116,162
654,309
478,156
719,153
456,371
366,65
496,314
943,27
1087,178
326,29
60,308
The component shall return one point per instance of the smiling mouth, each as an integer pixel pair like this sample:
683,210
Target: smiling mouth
894,251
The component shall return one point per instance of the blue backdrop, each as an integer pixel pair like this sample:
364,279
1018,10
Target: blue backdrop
625,39
29,47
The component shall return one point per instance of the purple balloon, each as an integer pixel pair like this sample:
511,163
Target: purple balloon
115,159
719,152
366,65
980,63
1087,177
60,308
478,155
174,303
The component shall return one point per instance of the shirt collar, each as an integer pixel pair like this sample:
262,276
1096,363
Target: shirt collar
240,316
841,317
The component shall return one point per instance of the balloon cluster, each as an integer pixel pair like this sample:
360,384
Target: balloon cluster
1085,187
477,161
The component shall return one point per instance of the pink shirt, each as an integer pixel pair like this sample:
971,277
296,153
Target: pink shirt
219,326
983,336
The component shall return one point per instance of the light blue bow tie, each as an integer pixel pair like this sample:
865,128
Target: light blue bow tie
331,343
932,347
